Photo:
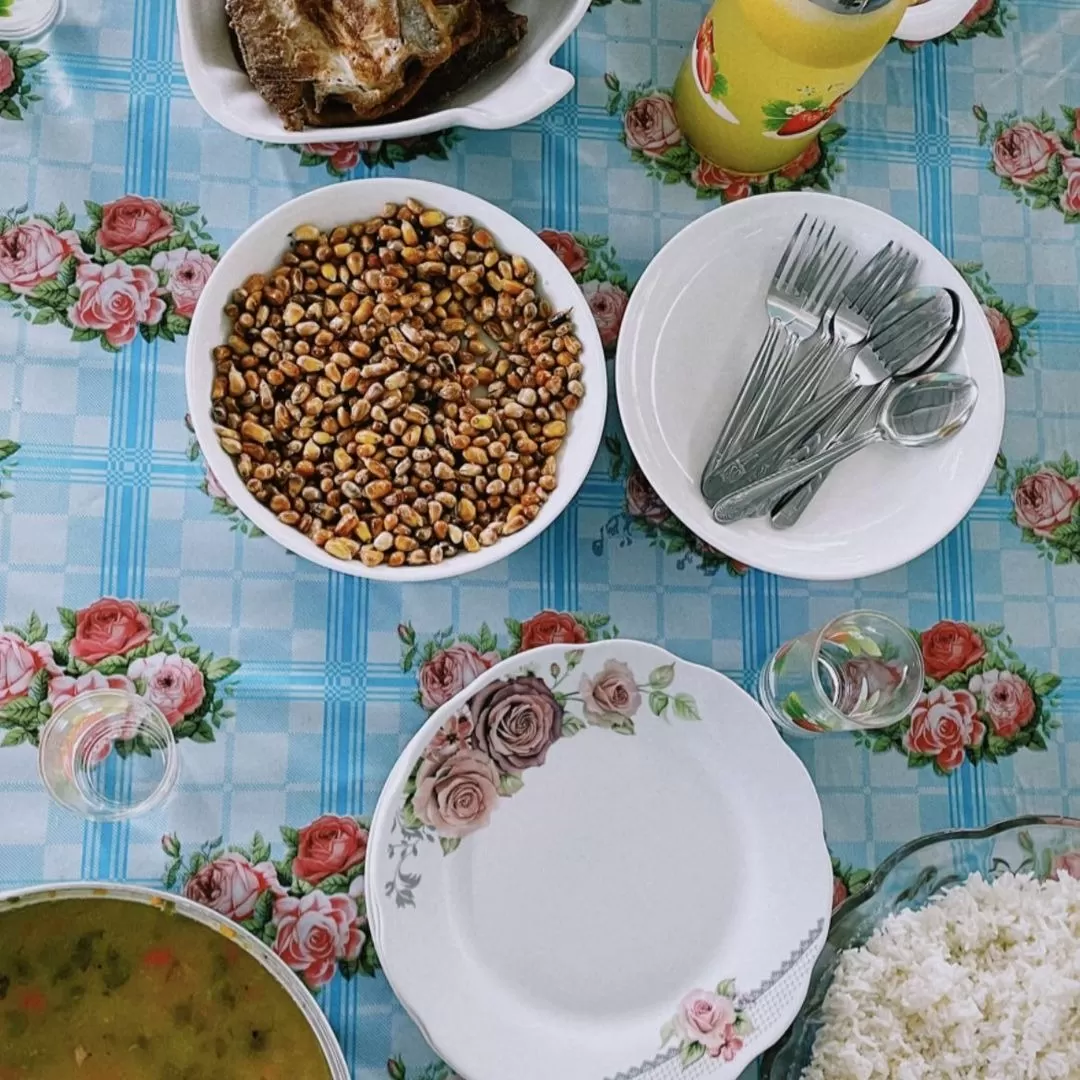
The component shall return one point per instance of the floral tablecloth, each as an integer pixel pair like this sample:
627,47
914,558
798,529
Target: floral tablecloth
292,690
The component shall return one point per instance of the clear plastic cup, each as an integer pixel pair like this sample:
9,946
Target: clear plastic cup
108,755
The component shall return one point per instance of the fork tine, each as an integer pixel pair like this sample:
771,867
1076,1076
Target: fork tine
805,257
778,276
866,282
832,277
812,263
892,283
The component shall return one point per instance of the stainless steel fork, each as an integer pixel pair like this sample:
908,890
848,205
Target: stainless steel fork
813,265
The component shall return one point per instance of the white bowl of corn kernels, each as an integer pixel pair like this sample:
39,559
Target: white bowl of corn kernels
395,379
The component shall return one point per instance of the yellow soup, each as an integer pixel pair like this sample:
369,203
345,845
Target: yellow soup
113,990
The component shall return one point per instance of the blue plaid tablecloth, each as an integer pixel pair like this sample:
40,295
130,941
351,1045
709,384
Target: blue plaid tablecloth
293,690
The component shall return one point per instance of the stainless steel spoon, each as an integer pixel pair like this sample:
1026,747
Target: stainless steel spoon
917,412
863,405
915,321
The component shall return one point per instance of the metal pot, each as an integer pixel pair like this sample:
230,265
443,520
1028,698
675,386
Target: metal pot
136,894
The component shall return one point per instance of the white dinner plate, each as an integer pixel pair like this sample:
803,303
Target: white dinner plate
599,863
691,329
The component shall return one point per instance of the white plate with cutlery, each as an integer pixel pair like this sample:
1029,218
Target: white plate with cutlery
692,328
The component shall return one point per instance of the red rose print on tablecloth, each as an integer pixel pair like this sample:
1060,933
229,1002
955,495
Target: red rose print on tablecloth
7,71
979,10
1070,197
1008,322
116,300
1023,152
571,254
710,177
16,90
650,125
315,932
552,628
342,156
172,683
187,273
949,647
607,302
231,885
32,253
450,671
1001,328
137,270
109,627
331,844
1005,699
1045,500
642,500
943,725
133,222
806,161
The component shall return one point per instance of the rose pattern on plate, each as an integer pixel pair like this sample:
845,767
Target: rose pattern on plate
651,133
307,906
118,644
481,753
1009,323
1045,501
16,89
1036,157
209,485
446,662
981,701
645,512
708,1023
137,269
341,158
989,17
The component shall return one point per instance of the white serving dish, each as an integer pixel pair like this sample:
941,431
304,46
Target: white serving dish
510,93
693,325
258,250
665,847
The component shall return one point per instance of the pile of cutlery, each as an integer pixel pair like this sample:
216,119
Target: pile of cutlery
847,359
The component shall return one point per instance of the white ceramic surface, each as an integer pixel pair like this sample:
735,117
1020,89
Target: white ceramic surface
691,329
931,19
258,250
510,93
14,899
666,842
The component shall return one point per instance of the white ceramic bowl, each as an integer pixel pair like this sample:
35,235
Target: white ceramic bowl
515,90
258,250
691,329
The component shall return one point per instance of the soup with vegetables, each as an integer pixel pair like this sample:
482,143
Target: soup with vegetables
100,989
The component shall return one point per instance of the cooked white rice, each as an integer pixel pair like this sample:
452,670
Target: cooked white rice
983,982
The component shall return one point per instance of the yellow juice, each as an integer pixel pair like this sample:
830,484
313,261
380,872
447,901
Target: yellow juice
764,76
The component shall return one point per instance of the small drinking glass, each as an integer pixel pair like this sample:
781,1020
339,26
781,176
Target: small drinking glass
862,670
108,755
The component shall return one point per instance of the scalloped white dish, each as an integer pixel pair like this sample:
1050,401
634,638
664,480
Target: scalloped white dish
599,863
511,92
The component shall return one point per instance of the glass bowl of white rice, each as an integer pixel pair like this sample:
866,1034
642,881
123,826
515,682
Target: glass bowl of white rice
957,976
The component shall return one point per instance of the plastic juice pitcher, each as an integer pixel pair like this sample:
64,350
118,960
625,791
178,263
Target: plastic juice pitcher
764,76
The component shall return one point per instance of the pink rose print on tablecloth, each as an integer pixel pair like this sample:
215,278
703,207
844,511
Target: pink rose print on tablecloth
1023,152
1007,701
943,724
65,688
133,222
109,627
642,500
331,844
650,125
1001,328
571,254
188,272
20,662
342,156
515,722
979,9
31,254
116,299
1070,197
1045,500
231,886
172,683
610,697
7,71
456,796
315,932
607,302
450,671
1068,864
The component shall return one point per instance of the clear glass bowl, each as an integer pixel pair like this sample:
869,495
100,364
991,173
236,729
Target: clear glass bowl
907,879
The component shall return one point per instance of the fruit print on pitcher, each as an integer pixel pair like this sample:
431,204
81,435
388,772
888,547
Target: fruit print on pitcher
710,80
